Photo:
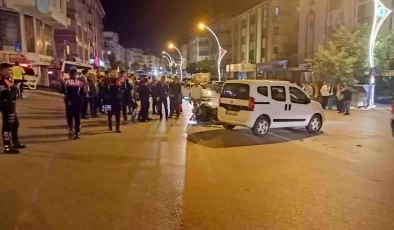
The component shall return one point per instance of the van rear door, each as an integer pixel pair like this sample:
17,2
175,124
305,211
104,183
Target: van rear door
234,101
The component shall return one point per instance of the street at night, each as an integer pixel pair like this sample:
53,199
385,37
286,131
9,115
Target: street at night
168,175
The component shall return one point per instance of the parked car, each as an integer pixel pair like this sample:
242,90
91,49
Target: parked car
262,105
207,94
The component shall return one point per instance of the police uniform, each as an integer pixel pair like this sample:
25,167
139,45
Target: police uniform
73,91
8,95
113,100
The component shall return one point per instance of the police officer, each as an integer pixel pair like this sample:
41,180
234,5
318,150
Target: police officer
8,95
74,92
113,99
175,93
161,97
127,91
144,94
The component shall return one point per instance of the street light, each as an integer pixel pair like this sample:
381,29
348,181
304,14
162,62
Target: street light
171,46
380,15
169,62
222,51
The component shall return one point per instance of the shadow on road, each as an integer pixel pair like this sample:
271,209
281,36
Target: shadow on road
222,138
29,117
85,124
10,205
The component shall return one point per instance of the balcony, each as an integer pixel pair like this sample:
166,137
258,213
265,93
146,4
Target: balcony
50,13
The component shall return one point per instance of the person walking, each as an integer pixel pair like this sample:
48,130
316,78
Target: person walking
113,99
8,96
347,99
196,93
144,95
325,94
73,90
92,96
162,97
85,100
18,74
175,94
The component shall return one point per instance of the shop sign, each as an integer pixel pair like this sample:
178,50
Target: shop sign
17,58
272,66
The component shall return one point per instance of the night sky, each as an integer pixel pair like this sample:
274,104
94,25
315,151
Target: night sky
151,24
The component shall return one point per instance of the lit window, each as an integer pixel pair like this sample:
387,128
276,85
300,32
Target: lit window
277,10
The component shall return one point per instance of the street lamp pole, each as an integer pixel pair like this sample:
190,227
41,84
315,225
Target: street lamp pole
172,61
222,51
180,55
169,63
380,15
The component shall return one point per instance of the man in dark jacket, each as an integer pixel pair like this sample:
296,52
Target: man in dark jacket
175,94
74,91
144,94
85,99
92,96
113,99
127,97
347,99
8,95
161,97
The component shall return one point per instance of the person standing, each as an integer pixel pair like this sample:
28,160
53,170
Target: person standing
154,96
92,96
325,94
144,95
162,97
8,95
175,94
308,89
347,99
196,93
18,76
85,100
339,97
127,90
113,99
73,90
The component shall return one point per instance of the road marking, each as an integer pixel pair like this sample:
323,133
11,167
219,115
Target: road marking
314,149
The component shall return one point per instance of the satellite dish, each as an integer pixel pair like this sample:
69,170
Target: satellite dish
43,6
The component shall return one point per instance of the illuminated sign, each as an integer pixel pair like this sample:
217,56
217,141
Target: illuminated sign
381,12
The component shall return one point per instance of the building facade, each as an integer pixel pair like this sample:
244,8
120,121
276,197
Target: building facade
112,48
184,52
318,18
82,41
134,55
27,30
199,48
265,33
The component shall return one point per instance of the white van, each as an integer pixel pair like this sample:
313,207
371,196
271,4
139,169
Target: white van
66,66
261,105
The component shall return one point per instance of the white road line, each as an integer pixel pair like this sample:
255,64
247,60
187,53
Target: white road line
314,149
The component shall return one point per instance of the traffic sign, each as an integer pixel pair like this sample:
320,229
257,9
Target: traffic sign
18,48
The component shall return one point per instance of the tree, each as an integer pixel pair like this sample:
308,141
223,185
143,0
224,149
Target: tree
192,68
204,66
135,66
382,49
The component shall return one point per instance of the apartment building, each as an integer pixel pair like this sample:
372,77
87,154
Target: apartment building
134,55
151,61
318,18
82,41
199,47
184,52
27,33
112,47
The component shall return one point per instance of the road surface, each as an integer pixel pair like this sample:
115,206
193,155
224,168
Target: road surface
160,175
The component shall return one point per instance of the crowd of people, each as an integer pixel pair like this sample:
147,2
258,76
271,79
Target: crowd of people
117,94
331,95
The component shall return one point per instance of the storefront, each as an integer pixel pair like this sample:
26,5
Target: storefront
241,71
276,70
40,65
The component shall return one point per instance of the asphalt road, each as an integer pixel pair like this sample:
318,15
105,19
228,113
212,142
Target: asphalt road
168,175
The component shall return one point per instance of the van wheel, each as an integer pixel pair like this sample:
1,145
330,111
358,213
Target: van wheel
315,124
229,127
261,126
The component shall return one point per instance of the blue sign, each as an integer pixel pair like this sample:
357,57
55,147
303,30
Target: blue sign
381,12
18,48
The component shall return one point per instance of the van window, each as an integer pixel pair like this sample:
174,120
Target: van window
298,96
278,93
235,91
263,90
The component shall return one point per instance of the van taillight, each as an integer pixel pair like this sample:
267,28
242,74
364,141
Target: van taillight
392,107
251,104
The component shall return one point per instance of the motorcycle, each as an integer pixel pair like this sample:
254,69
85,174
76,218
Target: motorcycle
204,113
